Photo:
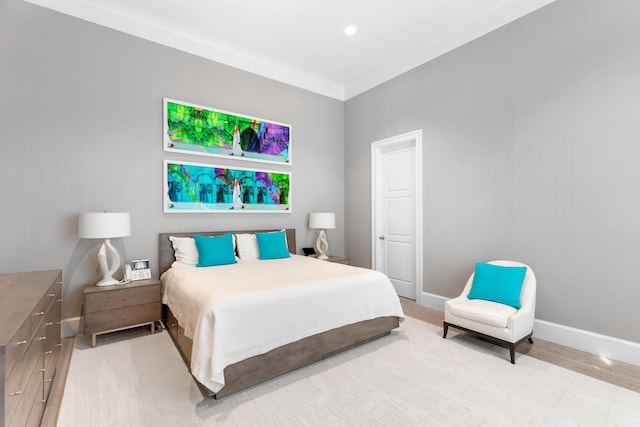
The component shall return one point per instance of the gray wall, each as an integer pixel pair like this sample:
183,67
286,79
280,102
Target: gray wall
530,147
81,130
530,152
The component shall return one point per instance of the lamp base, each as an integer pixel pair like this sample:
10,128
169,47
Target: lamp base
107,272
108,281
322,246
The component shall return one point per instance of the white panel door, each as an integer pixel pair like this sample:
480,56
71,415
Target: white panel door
394,227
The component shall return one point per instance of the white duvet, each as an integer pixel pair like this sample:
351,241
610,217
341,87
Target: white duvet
236,311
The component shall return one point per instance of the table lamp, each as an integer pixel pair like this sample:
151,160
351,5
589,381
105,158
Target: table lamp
322,221
105,225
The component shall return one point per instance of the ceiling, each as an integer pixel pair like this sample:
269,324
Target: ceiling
303,43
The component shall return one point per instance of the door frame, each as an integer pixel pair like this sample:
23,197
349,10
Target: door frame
376,149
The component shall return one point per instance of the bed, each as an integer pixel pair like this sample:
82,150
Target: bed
311,310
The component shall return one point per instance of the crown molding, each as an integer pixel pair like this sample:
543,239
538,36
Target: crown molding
164,32
487,20
149,27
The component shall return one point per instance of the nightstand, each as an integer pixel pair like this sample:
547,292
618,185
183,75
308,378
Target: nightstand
339,260
112,308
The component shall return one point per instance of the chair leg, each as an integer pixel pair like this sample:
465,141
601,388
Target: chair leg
506,344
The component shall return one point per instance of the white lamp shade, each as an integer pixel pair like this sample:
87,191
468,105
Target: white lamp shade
322,220
103,225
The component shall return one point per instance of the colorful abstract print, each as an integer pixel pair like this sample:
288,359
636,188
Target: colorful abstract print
201,188
204,131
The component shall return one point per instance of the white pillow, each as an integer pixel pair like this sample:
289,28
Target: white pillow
247,246
185,251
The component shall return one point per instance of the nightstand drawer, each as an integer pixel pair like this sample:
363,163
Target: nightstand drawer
120,298
122,317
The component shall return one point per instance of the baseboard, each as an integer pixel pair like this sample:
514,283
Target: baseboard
432,301
70,326
602,345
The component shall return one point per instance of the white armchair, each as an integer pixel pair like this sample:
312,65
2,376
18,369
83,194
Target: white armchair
499,323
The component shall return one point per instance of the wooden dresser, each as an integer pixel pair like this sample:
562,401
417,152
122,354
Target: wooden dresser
30,311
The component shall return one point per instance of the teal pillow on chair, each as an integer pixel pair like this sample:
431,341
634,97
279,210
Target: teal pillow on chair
215,250
272,245
498,283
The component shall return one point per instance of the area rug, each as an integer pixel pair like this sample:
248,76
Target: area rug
412,377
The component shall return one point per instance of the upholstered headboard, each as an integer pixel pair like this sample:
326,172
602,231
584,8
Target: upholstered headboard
166,257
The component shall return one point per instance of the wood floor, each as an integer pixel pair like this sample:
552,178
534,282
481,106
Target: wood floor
614,372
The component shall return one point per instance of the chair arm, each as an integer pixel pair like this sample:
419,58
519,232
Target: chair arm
521,322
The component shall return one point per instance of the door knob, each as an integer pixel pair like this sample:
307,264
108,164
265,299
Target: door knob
381,237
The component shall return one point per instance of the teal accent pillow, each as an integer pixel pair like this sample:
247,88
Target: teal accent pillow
272,245
498,283
215,250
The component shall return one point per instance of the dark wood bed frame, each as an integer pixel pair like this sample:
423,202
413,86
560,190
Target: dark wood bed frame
280,360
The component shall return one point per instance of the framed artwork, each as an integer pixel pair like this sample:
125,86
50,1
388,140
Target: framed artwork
195,129
201,188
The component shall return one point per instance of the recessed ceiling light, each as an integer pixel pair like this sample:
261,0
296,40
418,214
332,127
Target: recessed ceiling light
350,30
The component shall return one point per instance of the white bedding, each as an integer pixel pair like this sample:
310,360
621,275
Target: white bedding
236,311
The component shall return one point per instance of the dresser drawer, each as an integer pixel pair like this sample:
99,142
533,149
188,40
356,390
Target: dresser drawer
50,362
39,312
31,406
37,316
16,347
52,326
18,387
16,382
120,298
122,317
35,417
52,333
55,298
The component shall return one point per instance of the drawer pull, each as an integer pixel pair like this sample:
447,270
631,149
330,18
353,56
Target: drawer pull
40,313
16,393
42,401
48,324
21,342
42,338
58,323
51,295
49,380
42,370
48,352
59,345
